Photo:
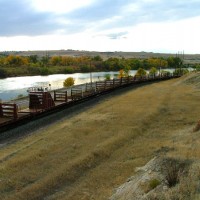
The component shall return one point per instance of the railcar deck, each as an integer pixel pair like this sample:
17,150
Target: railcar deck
44,103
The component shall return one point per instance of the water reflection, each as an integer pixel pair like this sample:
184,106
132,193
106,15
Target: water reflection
10,88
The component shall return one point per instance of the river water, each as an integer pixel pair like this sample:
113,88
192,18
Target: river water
11,88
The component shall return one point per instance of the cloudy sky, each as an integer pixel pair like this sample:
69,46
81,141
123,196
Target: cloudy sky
100,25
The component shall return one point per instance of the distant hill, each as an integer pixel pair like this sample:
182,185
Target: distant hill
188,58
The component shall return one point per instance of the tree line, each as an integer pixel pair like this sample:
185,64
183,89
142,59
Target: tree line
14,65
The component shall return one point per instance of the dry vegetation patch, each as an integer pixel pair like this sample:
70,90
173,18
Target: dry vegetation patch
90,154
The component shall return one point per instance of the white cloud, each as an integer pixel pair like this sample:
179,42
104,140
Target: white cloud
59,6
106,25
157,37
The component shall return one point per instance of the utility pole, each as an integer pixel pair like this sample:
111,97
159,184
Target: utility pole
90,75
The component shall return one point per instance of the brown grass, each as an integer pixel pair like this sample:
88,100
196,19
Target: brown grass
90,154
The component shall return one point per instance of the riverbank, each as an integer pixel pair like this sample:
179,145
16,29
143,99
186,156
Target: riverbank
91,152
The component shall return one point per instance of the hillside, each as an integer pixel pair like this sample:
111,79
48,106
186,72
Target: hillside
91,152
188,58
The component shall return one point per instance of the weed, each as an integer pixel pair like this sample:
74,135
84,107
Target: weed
154,183
174,169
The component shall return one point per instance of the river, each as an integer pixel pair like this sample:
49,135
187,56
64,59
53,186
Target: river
11,88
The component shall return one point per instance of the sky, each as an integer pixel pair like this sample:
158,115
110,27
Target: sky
163,26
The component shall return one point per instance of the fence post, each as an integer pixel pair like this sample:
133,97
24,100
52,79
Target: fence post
66,96
54,92
1,110
15,111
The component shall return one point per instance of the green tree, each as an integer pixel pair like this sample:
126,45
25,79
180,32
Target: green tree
141,72
113,64
45,60
85,68
97,58
68,82
44,71
134,63
153,71
197,67
33,58
127,69
174,62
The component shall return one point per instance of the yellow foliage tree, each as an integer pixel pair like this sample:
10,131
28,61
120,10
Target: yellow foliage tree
121,73
68,82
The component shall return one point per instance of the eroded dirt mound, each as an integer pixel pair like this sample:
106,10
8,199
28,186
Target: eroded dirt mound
162,178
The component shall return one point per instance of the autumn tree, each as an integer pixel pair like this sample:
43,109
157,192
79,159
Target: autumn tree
69,82
56,60
16,61
67,60
121,73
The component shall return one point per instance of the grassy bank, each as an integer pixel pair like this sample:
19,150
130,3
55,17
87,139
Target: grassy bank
90,154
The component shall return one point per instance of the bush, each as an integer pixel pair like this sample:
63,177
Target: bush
174,169
68,82
69,70
107,77
154,183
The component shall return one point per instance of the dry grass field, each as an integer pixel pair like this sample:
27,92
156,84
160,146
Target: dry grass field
89,155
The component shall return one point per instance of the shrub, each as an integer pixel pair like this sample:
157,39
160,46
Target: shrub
174,169
154,183
69,70
68,82
107,77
